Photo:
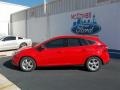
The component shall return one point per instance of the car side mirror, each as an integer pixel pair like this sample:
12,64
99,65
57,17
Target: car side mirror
40,48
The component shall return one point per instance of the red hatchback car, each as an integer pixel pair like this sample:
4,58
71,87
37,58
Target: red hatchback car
62,51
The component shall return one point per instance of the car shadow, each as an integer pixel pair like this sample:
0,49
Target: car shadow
81,68
9,65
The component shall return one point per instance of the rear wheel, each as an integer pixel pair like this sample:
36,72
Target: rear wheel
93,64
23,45
27,64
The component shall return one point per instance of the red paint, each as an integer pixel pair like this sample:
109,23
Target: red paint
72,55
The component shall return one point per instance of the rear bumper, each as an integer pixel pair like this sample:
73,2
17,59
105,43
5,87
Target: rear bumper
105,57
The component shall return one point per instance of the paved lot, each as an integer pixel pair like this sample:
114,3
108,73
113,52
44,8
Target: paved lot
72,78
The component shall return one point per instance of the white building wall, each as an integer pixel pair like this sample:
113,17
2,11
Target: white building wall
19,28
60,24
5,10
37,29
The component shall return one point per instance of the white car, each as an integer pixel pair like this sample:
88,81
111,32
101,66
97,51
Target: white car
13,42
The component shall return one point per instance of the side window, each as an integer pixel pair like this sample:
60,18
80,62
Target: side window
83,42
56,43
86,42
90,42
73,42
9,38
20,38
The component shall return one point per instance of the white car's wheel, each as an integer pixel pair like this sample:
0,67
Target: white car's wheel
27,64
93,64
23,45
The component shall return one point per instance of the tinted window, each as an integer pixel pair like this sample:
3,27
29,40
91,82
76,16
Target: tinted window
20,38
79,42
9,38
73,42
86,42
56,43
90,42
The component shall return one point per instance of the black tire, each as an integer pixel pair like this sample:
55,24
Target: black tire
27,64
23,45
93,64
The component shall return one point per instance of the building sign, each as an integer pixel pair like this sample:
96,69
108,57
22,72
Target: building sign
85,23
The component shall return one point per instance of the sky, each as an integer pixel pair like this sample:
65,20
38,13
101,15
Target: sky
29,3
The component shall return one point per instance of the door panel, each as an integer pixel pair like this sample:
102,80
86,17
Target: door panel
74,55
53,54
51,57
10,44
75,51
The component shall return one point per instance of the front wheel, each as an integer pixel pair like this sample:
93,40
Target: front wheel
93,64
27,64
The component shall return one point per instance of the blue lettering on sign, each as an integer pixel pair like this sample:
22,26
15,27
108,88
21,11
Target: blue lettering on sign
86,26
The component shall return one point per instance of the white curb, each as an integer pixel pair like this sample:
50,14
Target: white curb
7,53
5,84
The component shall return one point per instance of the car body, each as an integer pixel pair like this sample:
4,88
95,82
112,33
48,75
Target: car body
13,42
85,50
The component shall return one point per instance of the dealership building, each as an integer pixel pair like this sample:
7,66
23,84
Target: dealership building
70,17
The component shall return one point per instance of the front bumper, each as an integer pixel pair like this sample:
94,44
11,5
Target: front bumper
15,60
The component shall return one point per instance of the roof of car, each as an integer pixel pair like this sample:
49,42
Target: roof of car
78,36
93,37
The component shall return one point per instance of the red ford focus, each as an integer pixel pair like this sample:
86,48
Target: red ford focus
62,51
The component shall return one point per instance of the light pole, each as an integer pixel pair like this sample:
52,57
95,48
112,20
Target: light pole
47,20
45,7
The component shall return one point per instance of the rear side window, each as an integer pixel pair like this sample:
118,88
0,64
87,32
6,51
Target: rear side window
79,42
86,42
73,42
90,42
